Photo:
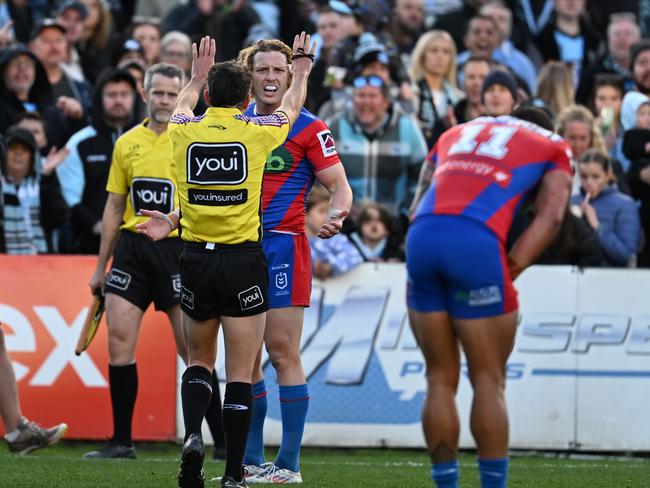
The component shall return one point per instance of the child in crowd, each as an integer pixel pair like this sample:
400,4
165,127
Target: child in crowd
635,119
613,215
31,204
374,237
329,257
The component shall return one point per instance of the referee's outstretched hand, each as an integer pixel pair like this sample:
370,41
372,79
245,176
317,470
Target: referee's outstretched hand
156,228
203,59
303,54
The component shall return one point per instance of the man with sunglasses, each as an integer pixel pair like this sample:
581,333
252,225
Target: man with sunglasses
381,145
308,154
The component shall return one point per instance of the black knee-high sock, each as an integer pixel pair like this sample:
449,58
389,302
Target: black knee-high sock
196,390
213,414
237,411
123,381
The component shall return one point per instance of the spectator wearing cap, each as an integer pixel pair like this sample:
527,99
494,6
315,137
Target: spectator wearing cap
475,70
380,145
128,49
499,94
640,61
31,205
72,15
146,31
433,71
371,59
506,53
622,33
83,175
569,37
73,98
24,87
406,27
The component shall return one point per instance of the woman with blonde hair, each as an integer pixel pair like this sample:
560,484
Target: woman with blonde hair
433,71
93,46
577,125
555,86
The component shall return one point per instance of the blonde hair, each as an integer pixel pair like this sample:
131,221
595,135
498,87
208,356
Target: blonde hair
246,55
98,38
555,85
417,57
578,113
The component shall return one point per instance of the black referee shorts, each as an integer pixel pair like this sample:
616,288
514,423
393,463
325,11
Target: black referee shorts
144,271
228,280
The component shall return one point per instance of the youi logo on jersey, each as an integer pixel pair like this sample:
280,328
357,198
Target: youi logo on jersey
216,164
152,194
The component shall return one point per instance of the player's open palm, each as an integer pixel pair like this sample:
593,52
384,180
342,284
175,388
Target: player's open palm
203,58
157,227
303,54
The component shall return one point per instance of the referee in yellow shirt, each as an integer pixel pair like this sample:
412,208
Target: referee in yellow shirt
142,176
220,158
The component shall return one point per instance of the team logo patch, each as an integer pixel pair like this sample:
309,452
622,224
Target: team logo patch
176,283
326,143
281,280
250,298
217,164
187,298
118,279
152,194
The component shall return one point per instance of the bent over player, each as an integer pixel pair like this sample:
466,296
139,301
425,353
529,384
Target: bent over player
460,280
142,176
220,164
308,154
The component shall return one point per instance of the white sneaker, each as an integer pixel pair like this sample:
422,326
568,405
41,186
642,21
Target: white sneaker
273,475
253,470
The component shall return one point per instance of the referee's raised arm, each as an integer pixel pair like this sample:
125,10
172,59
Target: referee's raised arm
301,64
202,61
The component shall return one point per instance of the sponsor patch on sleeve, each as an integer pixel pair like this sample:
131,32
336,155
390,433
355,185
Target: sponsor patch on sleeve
326,143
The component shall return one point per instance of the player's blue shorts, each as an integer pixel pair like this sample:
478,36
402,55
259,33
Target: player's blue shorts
458,265
289,265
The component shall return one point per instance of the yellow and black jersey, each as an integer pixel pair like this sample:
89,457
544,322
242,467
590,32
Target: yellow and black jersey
143,169
220,158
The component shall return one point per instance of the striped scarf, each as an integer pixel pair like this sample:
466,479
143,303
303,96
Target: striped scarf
21,208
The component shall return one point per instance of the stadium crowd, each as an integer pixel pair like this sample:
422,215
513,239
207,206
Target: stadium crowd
389,78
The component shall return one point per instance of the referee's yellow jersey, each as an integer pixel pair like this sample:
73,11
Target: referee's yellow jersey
143,169
220,158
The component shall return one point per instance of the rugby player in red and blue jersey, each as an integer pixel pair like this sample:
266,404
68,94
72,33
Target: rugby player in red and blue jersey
308,154
460,279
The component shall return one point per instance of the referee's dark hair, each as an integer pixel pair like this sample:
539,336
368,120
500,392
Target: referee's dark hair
229,84
535,115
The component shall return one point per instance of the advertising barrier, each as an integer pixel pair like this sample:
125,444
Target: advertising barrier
578,377
43,303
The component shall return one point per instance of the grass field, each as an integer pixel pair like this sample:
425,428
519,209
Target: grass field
157,465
